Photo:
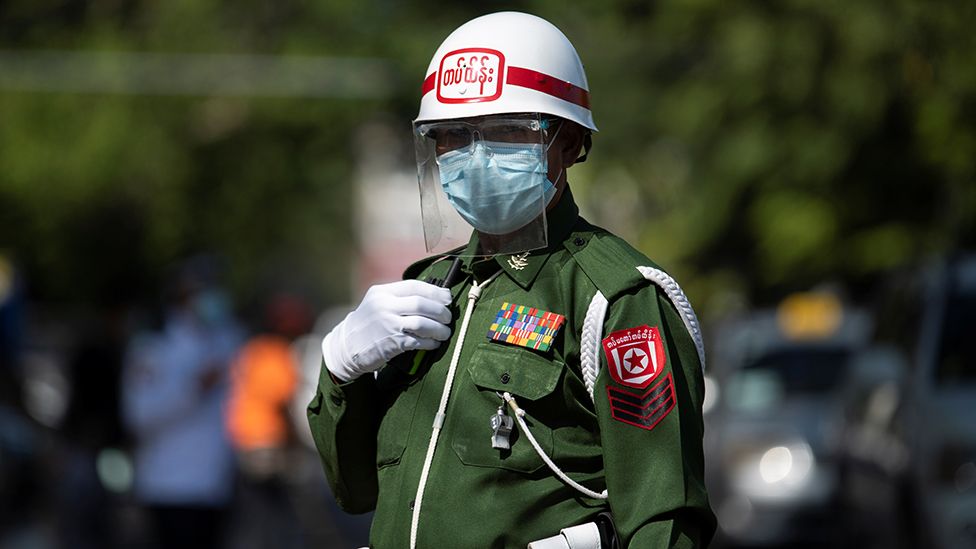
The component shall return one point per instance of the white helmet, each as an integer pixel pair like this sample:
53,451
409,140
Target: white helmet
502,63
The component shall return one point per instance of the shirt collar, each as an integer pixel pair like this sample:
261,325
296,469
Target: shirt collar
524,267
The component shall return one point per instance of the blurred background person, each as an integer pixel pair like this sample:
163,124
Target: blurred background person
21,490
264,378
175,386
92,431
11,328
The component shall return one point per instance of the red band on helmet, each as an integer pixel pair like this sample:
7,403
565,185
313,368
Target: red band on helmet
429,83
534,80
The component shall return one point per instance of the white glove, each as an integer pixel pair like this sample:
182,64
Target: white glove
392,319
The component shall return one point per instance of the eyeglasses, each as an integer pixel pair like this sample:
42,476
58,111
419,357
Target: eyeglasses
456,134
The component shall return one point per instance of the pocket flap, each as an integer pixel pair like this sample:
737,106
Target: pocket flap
519,371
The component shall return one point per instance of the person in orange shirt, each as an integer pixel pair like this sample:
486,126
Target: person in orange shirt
264,378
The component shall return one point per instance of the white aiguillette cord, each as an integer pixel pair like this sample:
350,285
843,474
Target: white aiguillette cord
473,295
520,418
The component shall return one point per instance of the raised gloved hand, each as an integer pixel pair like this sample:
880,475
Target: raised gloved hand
392,319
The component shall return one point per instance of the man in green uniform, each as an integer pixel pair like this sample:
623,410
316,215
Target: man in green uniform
523,387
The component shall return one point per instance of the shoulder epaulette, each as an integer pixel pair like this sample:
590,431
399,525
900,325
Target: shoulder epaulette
614,266
607,260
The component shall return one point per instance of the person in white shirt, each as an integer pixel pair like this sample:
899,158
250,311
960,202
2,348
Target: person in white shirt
174,390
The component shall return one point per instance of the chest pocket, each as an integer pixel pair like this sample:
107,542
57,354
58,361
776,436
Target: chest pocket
495,368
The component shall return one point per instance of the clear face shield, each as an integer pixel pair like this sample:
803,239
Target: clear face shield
488,174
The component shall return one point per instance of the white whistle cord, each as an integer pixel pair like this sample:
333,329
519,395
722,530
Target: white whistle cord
519,417
473,295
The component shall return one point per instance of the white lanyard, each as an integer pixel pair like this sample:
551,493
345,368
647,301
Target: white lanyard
473,294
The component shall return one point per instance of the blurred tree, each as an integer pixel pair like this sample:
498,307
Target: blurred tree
752,147
103,190
776,145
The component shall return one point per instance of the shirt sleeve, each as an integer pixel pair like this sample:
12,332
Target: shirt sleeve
651,424
344,425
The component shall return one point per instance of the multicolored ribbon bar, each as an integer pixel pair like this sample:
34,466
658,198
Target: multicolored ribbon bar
525,326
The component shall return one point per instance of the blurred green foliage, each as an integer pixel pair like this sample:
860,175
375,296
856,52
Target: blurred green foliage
817,140
751,147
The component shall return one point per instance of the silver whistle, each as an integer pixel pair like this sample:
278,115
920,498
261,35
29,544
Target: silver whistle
501,426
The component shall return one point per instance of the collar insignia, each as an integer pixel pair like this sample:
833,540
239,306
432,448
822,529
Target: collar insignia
519,262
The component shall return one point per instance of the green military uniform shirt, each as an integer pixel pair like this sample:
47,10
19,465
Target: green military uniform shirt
639,437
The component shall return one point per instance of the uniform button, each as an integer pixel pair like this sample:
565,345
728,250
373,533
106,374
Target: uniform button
579,241
506,378
336,399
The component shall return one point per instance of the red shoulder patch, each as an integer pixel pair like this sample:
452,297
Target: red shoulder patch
635,356
644,410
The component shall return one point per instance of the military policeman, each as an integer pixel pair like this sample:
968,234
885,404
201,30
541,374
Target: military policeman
539,385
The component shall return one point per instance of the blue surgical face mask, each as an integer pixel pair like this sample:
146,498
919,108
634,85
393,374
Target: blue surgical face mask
497,187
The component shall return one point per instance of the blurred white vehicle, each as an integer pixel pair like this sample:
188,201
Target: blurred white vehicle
912,441
773,422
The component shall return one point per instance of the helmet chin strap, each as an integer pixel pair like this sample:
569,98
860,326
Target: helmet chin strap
587,145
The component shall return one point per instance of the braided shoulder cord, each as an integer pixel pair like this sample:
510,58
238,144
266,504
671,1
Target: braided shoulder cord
681,303
590,340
